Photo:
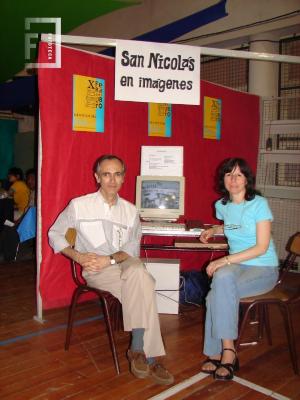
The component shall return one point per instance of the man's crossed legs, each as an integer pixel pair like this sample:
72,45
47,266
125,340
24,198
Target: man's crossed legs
131,283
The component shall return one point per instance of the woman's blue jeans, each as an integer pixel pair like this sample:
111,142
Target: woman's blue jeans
229,284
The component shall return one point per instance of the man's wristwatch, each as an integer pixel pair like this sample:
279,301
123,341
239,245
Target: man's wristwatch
112,260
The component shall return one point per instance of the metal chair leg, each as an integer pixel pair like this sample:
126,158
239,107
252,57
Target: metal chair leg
286,315
110,333
243,325
266,323
72,310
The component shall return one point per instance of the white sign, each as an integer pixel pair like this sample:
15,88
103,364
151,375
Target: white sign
162,160
157,72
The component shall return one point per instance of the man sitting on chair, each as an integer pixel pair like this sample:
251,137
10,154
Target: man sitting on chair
107,247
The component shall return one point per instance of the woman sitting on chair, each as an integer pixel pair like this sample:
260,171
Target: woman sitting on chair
251,268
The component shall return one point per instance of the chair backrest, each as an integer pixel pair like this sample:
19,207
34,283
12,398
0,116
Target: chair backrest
71,236
76,269
295,244
293,249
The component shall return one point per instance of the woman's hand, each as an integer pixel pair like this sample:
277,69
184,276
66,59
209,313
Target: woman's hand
210,232
214,265
205,235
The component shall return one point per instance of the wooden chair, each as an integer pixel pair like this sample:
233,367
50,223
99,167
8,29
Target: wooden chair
111,306
282,296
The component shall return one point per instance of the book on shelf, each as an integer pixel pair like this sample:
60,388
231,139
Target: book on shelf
213,243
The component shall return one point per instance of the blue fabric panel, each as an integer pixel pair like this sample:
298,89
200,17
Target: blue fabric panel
27,227
19,93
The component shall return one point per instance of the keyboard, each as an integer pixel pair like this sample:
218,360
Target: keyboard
162,226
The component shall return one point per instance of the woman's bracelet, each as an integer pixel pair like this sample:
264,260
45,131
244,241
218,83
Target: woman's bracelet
227,260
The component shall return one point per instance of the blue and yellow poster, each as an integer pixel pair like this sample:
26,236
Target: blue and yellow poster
160,119
212,118
88,103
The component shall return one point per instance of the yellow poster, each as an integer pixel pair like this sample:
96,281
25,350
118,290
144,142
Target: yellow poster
160,119
88,103
212,118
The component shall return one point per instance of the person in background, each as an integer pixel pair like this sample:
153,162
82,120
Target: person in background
107,247
30,181
9,237
19,191
250,269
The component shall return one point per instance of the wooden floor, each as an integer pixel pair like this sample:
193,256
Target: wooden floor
34,365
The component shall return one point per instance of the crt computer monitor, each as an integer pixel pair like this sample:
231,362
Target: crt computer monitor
160,197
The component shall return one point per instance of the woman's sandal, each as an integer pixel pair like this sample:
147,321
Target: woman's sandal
230,367
216,363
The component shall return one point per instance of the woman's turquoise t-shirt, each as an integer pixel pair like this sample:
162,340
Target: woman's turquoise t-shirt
240,228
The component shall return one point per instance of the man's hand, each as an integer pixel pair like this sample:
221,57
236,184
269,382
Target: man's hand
92,262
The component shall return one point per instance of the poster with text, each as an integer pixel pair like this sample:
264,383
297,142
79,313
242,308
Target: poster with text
212,118
160,119
88,104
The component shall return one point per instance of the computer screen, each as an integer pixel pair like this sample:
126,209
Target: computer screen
160,197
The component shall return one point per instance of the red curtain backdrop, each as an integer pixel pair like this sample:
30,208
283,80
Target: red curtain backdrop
68,156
